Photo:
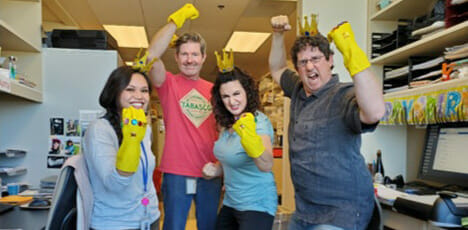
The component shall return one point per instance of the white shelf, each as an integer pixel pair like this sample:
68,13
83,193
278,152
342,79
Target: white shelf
432,45
11,153
428,88
403,9
11,40
13,171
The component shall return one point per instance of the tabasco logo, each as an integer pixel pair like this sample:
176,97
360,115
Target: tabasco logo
195,107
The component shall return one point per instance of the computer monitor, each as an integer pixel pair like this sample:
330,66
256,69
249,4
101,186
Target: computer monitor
445,156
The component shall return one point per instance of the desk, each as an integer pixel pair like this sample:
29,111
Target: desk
395,220
26,219
416,206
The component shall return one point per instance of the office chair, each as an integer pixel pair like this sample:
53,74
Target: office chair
376,222
63,211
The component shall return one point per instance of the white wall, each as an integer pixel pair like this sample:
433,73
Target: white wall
390,139
72,80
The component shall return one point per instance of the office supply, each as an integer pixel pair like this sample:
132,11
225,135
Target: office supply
418,188
446,213
445,156
39,203
5,207
16,200
416,206
13,188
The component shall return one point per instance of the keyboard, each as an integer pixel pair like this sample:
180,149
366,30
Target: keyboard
5,207
418,188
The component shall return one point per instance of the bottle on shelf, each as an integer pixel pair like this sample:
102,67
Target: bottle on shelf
379,169
12,67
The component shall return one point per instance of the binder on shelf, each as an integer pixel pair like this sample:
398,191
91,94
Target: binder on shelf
383,43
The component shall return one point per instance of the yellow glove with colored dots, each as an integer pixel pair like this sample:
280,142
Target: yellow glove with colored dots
245,127
354,57
133,132
188,11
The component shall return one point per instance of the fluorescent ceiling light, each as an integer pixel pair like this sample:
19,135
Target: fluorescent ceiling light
129,63
247,42
128,36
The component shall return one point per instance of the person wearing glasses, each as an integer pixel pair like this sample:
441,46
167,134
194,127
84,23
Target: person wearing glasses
333,187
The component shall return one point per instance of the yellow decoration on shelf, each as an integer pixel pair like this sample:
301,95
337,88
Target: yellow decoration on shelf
308,29
226,64
140,63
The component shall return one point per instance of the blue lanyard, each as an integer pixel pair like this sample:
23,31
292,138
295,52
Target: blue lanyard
144,167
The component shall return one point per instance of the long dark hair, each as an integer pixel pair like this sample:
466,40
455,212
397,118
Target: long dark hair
110,95
223,117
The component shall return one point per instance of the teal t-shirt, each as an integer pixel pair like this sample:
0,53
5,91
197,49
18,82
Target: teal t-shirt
247,188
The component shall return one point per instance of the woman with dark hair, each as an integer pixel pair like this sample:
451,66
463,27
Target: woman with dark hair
117,149
244,150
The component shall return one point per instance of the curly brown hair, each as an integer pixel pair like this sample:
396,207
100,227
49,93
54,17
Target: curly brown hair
223,117
317,40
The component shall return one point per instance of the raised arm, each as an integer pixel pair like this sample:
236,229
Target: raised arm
277,59
163,37
256,146
368,92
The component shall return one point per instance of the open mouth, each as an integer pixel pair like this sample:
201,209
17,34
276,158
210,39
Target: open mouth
312,76
137,105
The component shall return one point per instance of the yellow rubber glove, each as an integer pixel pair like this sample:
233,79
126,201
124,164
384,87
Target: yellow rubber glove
354,57
188,11
133,132
245,127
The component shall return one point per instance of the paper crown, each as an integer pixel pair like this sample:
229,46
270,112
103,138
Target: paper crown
226,64
140,63
308,29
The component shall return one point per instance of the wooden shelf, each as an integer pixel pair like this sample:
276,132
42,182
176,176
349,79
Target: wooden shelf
432,45
25,92
11,40
428,88
403,9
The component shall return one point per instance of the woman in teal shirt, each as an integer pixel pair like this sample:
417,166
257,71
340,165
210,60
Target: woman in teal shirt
244,150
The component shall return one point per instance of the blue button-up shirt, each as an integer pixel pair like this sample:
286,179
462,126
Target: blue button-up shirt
331,180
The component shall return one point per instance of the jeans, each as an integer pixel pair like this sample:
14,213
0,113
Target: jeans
176,202
296,224
231,219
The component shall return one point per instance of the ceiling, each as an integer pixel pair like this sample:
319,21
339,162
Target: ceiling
218,19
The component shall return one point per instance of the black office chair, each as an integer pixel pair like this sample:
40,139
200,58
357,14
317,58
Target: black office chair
63,214
376,222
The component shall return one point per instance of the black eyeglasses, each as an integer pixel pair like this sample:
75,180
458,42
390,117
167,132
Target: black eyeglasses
314,60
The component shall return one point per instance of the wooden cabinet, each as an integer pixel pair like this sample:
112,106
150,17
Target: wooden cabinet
20,36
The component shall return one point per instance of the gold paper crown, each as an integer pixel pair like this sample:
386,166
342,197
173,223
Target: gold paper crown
227,63
308,29
140,63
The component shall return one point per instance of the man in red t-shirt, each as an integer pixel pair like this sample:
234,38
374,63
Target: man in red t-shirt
190,126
